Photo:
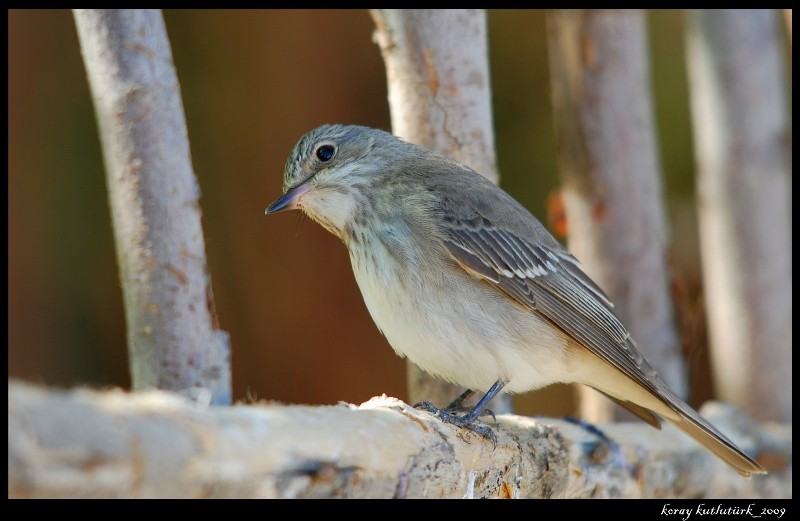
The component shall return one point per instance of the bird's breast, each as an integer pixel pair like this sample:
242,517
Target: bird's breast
449,323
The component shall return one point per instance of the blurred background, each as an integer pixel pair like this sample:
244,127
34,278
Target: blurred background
253,82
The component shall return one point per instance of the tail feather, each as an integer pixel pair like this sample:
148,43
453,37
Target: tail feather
690,422
643,413
657,399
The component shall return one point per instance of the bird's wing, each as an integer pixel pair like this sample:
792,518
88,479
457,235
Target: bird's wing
523,260
547,280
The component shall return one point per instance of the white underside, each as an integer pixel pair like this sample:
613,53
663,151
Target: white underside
457,327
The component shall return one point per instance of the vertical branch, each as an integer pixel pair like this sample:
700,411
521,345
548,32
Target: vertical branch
437,70
611,177
741,132
173,339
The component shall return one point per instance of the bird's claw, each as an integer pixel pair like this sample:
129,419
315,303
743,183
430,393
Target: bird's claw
467,421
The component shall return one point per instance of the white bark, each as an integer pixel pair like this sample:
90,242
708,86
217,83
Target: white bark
743,145
111,444
437,70
612,179
173,339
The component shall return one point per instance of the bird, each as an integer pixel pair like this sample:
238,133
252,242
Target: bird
465,282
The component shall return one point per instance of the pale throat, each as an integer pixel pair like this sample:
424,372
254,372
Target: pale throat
331,208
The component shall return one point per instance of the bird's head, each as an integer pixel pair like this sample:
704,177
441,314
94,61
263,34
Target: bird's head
330,173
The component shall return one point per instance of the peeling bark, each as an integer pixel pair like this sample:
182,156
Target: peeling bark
174,341
612,179
437,70
743,145
154,444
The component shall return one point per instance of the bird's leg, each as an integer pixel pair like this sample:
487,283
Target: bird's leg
458,403
590,428
448,415
597,452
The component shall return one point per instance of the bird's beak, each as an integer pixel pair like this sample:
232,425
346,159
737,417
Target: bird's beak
288,201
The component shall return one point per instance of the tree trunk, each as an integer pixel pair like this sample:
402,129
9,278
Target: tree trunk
83,443
743,145
174,341
612,193
437,70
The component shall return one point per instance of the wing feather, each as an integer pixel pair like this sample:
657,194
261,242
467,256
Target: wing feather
550,283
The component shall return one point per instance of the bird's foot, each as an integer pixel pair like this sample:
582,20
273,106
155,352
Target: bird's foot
457,405
449,415
600,450
592,429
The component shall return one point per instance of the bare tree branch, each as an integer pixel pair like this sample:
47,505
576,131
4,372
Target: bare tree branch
743,144
437,70
612,179
173,339
84,443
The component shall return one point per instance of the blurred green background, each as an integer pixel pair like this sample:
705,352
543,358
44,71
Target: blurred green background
253,82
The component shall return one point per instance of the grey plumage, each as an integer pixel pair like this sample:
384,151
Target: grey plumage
463,280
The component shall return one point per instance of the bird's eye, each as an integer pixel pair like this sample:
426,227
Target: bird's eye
325,153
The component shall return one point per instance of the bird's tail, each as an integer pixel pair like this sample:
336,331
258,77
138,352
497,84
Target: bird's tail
656,397
682,416
689,421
